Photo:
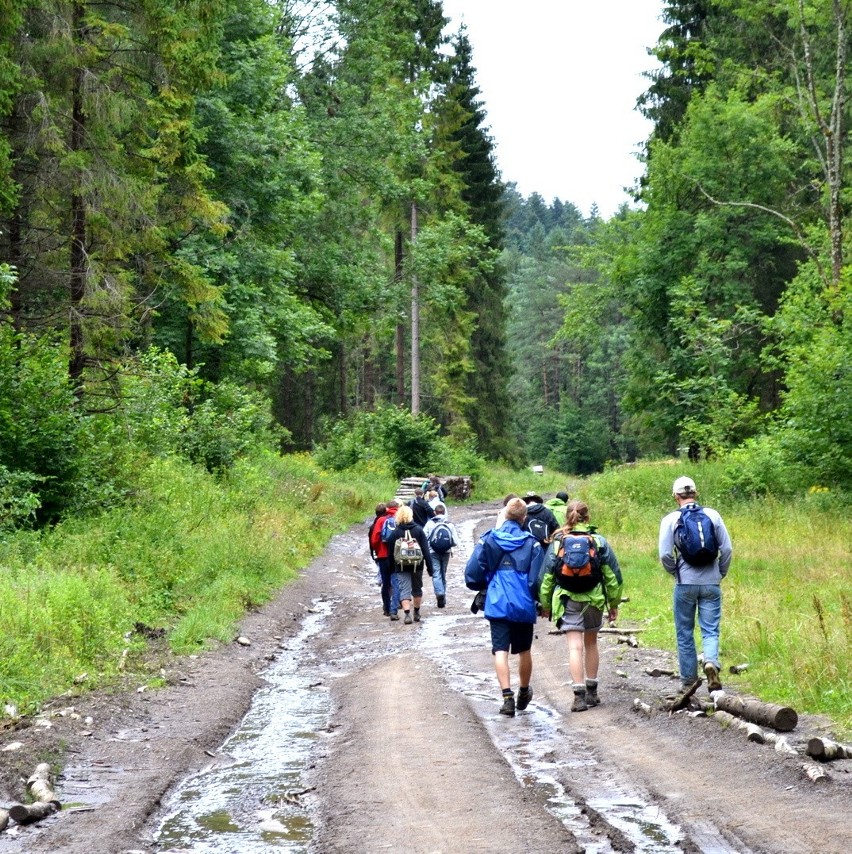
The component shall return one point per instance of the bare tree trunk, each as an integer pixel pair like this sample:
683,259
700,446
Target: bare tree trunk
415,326
832,128
78,221
400,330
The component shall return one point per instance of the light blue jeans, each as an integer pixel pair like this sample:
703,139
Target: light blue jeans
706,599
439,572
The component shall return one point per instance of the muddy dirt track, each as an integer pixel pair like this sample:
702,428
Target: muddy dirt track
406,750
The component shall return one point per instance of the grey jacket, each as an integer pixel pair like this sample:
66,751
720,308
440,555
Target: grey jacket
684,572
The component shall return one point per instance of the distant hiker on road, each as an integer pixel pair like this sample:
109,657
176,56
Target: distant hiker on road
379,553
501,516
558,506
442,537
505,564
390,583
540,522
420,508
433,484
581,580
695,548
410,550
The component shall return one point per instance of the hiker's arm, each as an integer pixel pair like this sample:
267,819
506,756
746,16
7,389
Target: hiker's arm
666,547
475,570
726,550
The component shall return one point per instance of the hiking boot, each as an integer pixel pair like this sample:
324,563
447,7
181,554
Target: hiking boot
407,619
385,613
524,697
592,698
416,615
394,615
712,674
508,707
442,601
579,704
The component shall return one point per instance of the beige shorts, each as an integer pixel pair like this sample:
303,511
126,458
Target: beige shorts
580,617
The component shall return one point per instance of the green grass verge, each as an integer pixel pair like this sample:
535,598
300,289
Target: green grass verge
191,553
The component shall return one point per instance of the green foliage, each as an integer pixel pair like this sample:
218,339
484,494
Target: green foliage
390,437
39,424
190,553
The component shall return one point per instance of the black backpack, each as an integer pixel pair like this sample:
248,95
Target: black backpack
538,528
579,565
695,536
441,538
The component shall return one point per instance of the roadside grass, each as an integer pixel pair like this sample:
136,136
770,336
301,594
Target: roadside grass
190,554
787,605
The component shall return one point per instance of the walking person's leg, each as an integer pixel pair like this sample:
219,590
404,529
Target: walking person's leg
684,607
437,578
500,643
417,590
709,622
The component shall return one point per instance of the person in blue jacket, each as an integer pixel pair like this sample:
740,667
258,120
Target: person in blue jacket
505,564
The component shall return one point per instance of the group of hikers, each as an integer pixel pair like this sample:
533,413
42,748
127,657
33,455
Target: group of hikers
406,538
547,559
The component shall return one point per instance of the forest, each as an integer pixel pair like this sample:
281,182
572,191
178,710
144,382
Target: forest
279,225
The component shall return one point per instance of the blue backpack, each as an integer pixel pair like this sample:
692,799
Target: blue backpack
441,538
388,527
695,536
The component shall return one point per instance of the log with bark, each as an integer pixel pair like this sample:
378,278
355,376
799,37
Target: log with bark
639,706
682,699
782,718
39,786
28,813
780,743
628,639
825,749
815,773
753,732
4,818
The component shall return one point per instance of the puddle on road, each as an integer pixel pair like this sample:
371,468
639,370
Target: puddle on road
248,800
247,804
538,749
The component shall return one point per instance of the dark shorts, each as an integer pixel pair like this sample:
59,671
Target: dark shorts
410,583
507,636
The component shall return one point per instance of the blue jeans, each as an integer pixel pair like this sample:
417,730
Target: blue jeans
706,599
439,572
390,585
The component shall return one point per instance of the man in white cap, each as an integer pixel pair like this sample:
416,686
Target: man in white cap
695,548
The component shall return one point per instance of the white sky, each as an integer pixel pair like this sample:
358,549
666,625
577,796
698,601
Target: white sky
559,80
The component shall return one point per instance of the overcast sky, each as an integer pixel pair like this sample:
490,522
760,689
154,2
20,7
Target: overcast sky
559,81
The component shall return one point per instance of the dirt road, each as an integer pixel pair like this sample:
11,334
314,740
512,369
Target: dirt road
409,752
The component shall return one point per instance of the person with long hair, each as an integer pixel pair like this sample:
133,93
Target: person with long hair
581,580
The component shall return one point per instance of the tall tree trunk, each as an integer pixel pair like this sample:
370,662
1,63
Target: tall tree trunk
400,330
415,326
78,219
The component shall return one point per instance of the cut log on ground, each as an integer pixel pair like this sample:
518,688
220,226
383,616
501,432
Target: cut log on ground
815,773
780,743
4,819
826,749
682,700
39,786
28,813
659,671
628,639
738,668
753,732
782,718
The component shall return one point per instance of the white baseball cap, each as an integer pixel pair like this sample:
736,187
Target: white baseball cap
684,486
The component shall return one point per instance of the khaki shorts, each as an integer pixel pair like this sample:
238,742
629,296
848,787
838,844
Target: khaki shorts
580,617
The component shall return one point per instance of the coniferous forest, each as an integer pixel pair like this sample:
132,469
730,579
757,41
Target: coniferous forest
279,223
